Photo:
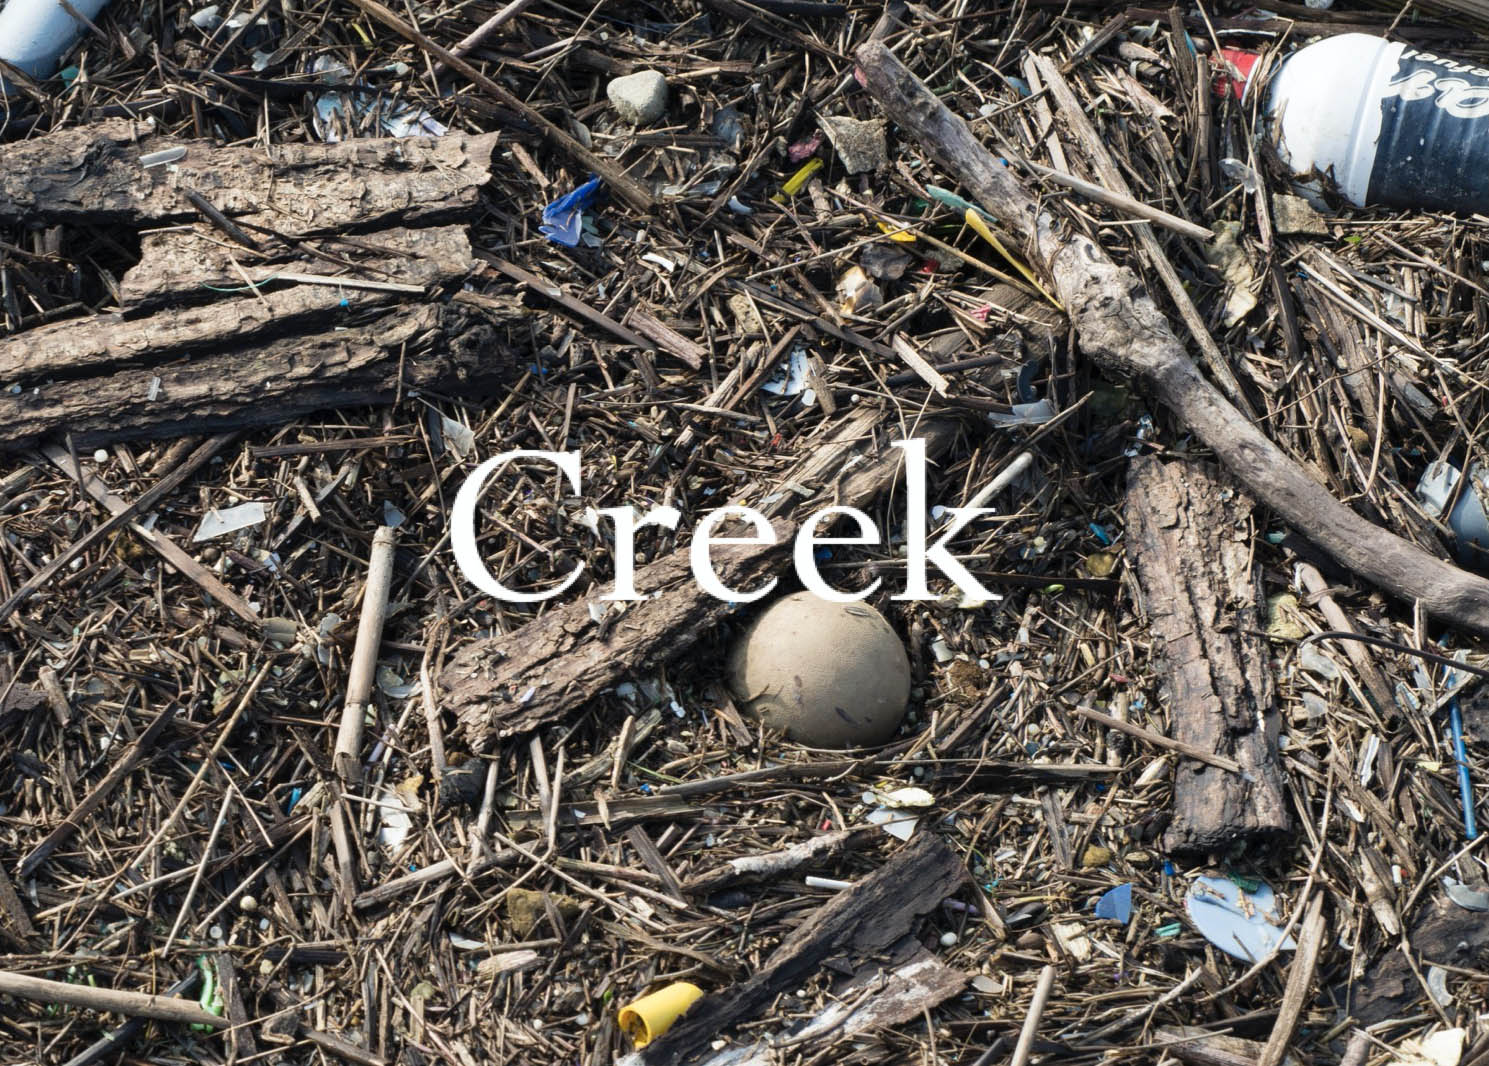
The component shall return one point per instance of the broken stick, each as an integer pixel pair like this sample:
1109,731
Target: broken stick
1119,327
363,669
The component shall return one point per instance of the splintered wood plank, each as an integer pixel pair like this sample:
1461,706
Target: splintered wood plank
1189,535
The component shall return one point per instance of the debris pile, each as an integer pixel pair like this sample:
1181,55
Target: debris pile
388,393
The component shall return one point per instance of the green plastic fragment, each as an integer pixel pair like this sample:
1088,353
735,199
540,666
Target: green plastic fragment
1245,884
1171,929
958,204
211,998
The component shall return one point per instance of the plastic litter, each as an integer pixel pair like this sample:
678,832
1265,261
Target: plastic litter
1242,922
797,181
653,1014
1468,520
1116,904
35,33
790,378
1023,414
1467,898
217,523
1442,1048
563,219
346,110
1387,123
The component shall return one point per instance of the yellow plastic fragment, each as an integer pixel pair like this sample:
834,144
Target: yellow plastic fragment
796,181
974,219
897,233
649,1017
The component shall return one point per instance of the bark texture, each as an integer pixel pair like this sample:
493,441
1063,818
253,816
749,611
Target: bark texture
217,335
1118,326
1189,540
93,174
442,347
188,264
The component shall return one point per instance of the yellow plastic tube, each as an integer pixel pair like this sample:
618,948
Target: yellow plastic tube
649,1017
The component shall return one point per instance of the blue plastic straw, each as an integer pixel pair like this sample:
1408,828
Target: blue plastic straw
1460,756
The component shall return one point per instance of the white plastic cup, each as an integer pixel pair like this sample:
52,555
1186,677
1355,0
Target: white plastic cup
35,33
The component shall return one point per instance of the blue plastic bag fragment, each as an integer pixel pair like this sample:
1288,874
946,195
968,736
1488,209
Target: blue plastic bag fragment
1245,924
1116,904
563,219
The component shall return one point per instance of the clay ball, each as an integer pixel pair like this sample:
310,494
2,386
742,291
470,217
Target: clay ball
828,675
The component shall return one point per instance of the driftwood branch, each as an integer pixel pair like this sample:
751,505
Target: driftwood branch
1189,542
1119,327
113,1000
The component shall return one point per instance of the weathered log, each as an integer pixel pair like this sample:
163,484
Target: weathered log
513,683
1118,326
857,923
448,348
93,174
1188,538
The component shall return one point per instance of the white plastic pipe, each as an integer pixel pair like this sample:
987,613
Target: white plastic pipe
35,33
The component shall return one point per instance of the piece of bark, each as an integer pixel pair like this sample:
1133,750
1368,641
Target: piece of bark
857,923
502,686
666,338
92,174
186,264
1118,326
441,348
1189,544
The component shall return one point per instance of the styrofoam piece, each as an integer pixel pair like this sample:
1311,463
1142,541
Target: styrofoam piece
35,33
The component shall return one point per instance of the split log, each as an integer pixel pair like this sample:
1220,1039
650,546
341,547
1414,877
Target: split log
859,922
93,174
1189,543
511,684
1118,326
447,348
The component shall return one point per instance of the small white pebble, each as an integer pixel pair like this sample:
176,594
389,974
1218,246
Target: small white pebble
248,904
100,456
581,1018
948,940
